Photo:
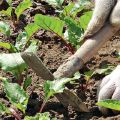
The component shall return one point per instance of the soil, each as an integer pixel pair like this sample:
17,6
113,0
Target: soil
53,53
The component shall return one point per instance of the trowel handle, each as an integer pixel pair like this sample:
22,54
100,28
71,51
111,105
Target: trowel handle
93,44
89,48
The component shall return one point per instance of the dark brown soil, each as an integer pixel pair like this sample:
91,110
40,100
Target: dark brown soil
53,52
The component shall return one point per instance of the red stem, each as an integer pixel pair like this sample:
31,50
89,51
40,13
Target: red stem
15,114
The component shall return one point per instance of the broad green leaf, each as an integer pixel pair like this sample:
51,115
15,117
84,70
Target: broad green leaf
31,29
3,109
27,83
21,41
12,62
72,9
5,28
57,86
84,19
55,2
16,95
22,7
7,12
66,10
40,116
8,46
9,1
111,104
52,24
74,31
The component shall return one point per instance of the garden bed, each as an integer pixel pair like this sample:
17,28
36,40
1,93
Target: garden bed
53,52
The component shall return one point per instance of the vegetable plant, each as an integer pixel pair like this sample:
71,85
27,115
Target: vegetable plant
68,26
12,12
111,104
19,98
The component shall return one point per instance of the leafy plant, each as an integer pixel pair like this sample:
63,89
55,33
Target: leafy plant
16,95
73,32
25,4
57,86
111,104
50,23
22,7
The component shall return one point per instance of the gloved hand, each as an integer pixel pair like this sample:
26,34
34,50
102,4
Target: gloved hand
106,11
110,88
104,24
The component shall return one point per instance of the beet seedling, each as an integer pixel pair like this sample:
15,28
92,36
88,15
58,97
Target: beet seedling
14,13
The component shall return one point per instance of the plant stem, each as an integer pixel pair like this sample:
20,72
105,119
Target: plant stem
15,114
42,106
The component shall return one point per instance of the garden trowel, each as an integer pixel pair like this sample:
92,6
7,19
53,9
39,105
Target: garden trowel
67,97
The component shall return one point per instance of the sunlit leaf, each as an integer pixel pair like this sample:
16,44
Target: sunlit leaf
84,19
8,46
52,24
31,29
74,31
7,12
16,95
12,62
57,86
22,7
111,104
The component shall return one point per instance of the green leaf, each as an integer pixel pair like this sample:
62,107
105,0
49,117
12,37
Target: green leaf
84,19
111,104
27,83
57,86
31,29
5,28
9,2
88,74
22,7
55,2
16,95
7,12
21,41
52,24
12,62
74,31
40,116
8,46
66,10
3,109
72,9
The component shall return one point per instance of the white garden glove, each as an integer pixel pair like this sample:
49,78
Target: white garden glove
110,88
106,11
